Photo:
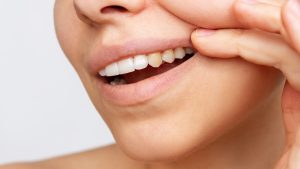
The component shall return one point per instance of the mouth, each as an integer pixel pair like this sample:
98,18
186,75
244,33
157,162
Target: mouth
139,71
140,67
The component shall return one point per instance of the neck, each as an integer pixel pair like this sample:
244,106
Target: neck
256,143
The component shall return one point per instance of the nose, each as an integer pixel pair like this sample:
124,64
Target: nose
99,11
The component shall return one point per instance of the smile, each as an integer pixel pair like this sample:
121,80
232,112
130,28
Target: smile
129,70
141,70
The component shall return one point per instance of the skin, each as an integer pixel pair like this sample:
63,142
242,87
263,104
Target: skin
246,125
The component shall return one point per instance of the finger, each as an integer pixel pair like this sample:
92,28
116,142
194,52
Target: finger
291,22
254,46
261,14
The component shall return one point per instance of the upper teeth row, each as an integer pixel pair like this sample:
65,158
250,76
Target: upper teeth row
140,62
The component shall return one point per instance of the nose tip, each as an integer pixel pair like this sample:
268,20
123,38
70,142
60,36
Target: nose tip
99,11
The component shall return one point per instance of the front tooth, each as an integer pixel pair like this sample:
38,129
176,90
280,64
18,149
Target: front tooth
112,70
154,59
140,62
189,51
126,66
179,53
102,72
168,56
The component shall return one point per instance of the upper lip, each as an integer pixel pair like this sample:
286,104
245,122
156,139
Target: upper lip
105,55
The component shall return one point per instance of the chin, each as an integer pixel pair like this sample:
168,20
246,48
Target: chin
169,136
157,148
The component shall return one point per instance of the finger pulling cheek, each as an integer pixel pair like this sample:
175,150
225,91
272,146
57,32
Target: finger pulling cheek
214,43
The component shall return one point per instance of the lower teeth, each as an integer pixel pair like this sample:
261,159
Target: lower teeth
118,81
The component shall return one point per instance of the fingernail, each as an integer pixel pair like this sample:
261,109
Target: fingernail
294,6
204,32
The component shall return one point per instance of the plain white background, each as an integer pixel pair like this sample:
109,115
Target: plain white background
44,109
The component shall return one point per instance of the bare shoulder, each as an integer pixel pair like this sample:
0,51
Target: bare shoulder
108,157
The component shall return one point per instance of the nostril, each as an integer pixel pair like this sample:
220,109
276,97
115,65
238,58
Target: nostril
113,9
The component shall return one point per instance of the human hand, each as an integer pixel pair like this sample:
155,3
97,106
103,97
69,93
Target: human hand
272,38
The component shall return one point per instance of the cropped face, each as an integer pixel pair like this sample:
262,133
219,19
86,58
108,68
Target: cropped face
160,99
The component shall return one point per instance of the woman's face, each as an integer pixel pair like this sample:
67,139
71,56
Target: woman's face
160,115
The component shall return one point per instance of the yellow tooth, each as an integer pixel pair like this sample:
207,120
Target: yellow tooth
168,56
189,51
155,59
179,53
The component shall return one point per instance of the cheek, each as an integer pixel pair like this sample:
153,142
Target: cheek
232,90
200,12
71,32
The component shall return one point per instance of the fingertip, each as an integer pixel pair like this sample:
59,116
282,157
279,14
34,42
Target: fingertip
204,32
201,35
209,42
199,41
195,40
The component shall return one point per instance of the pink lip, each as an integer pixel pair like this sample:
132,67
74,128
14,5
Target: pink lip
140,92
144,90
105,55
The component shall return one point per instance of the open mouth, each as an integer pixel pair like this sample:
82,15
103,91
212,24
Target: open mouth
141,67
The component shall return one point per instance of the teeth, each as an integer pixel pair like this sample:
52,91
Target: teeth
126,66
140,62
189,51
168,56
102,73
118,81
155,59
112,70
179,53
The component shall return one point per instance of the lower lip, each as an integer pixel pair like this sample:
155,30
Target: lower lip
142,91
